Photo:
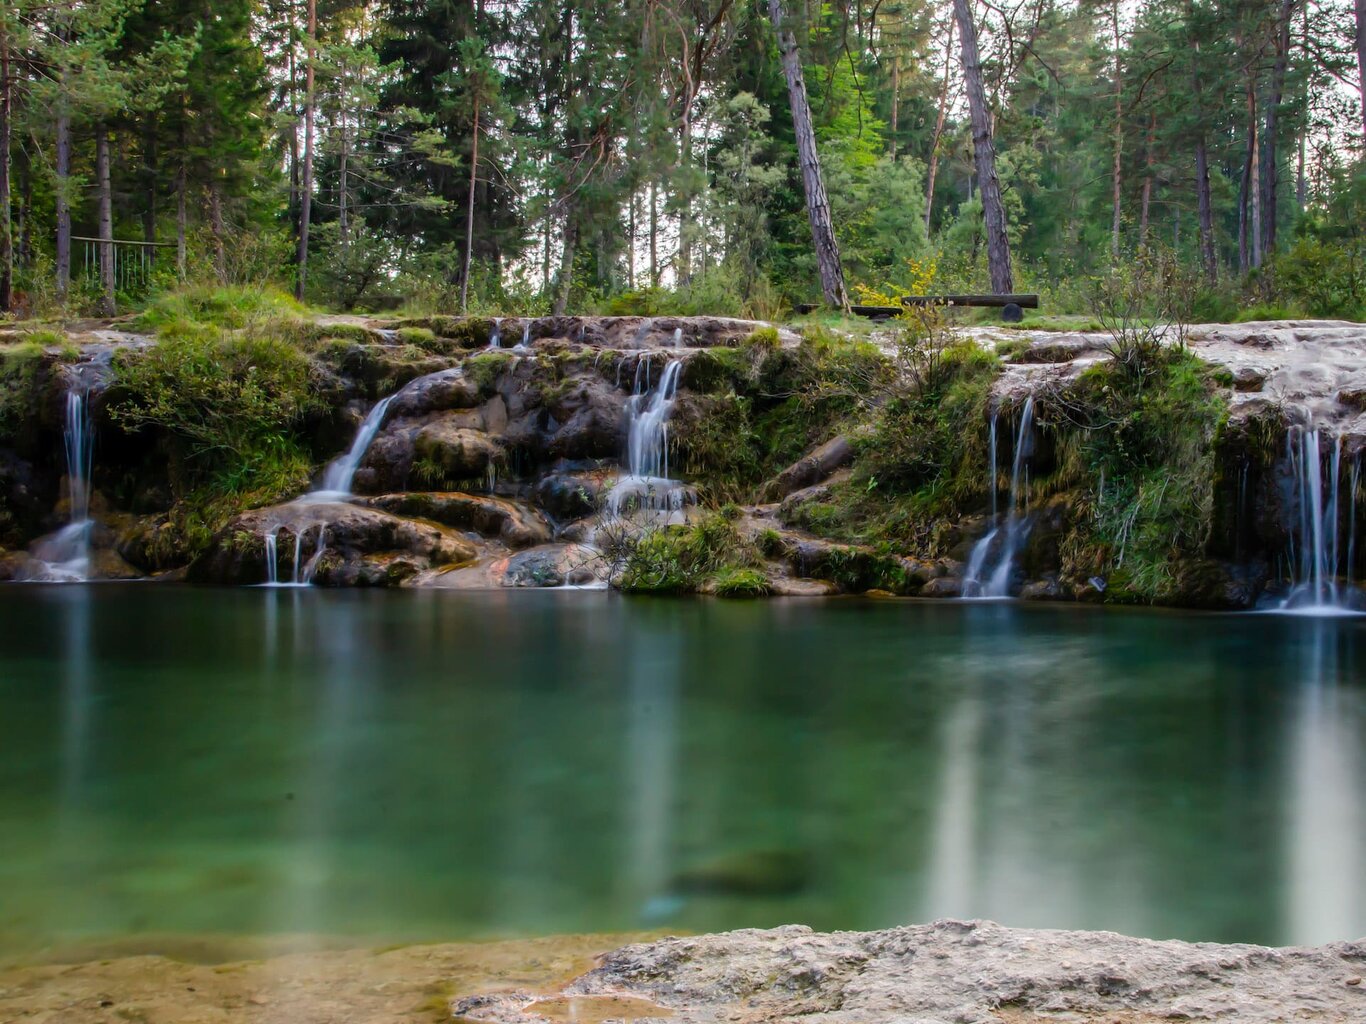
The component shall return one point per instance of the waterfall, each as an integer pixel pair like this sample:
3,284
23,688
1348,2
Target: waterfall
991,563
301,573
678,337
1315,553
525,343
337,478
66,554
647,444
496,335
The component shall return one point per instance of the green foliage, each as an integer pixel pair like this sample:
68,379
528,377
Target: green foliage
736,582
1145,452
218,306
681,559
20,366
229,406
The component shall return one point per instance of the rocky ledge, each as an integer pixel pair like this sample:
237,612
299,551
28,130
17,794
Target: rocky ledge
949,972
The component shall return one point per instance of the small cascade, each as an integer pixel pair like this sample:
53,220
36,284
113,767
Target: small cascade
525,344
496,335
301,572
678,337
991,564
337,478
1315,551
66,554
647,484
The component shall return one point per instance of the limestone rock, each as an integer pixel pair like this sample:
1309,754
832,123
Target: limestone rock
459,452
815,466
496,518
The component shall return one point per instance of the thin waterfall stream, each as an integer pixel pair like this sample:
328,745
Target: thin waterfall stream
1315,563
991,565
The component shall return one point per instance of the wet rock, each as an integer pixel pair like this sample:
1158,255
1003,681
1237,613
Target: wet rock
1248,378
362,546
787,586
458,452
552,565
811,468
566,496
1048,589
943,586
153,544
496,518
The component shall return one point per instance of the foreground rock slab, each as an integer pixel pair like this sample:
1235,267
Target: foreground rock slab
954,972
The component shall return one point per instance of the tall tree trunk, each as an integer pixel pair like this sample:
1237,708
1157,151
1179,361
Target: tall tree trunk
149,185
1145,204
939,127
306,186
817,205
24,255
6,225
217,230
343,214
896,98
1208,257
1361,58
1245,190
63,204
631,242
984,153
654,235
565,282
106,220
1117,161
469,213
683,262
1270,179
182,188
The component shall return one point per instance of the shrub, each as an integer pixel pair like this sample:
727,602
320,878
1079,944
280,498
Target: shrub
734,582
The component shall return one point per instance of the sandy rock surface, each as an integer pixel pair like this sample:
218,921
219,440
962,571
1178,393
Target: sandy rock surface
954,972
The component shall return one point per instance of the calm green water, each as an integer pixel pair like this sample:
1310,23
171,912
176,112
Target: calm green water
405,766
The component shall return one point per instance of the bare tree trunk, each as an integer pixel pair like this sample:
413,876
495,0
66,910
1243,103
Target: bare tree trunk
817,204
63,171
105,203
216,228
306,187
565,281
993,212
683,262
1245,191
654,236
1145,205
939,127
896,98
1270,143
1117,163
343,214
1207,254
1361,57
6,227
469,213
1208,257
631,242
182,186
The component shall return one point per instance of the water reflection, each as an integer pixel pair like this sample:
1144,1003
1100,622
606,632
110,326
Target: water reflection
1324,897
419,766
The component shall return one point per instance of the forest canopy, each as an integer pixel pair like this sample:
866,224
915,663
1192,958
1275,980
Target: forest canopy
645,157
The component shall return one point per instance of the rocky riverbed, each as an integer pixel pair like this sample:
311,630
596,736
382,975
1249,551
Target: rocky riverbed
949,972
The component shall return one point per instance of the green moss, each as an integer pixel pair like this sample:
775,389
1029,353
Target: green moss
485,369
763,338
